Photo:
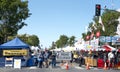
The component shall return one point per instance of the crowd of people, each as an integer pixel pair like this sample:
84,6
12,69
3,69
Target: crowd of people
45,58
111,58
48,58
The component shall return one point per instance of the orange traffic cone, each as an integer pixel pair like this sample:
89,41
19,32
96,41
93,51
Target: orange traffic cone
105,66
87,67
67,67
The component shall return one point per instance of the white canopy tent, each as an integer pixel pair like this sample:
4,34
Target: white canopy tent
57,49
34,48
69,48
80,45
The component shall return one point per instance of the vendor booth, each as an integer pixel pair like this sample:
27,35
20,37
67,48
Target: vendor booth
12,51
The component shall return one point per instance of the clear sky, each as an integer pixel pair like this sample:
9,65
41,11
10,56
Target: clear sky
52,18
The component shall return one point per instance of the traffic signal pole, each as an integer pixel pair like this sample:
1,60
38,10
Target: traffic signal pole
97,10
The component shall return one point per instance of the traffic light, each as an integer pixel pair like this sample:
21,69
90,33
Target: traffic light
97,10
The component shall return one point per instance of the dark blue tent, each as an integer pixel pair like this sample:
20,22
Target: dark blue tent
14,44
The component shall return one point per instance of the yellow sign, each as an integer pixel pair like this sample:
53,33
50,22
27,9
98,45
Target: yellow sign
14,52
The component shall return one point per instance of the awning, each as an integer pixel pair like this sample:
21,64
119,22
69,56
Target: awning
108,48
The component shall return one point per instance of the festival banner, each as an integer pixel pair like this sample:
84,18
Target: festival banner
108,39
102,38
114,39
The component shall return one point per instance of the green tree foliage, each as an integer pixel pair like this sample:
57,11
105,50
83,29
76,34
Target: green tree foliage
65,41
12,16
62,42
110,22
109,19
53,46
84,36
71,41
31,40
58,43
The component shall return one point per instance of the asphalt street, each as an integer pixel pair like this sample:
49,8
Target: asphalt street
72,68
55,70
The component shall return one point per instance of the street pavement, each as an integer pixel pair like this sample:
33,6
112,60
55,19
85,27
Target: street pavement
72,68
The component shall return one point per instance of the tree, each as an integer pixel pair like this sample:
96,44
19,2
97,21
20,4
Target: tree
84,36
71,41
31,40
12,16
62,42
53,45
58,44
109,18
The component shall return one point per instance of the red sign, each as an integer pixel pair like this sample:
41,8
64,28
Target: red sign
91,36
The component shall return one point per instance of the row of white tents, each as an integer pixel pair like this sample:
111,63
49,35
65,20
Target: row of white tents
68,48
82,45
79,47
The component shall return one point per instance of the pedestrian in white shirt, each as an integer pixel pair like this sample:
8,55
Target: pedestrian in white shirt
111,59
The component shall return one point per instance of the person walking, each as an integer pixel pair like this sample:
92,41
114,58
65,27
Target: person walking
105,57
80,58
53,57
111,59
71,58
40,59
46,54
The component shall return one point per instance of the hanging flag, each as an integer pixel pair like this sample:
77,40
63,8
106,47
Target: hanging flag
94,26
92,35
98,34
100,21
87,37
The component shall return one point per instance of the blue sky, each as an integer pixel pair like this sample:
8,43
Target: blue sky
52,18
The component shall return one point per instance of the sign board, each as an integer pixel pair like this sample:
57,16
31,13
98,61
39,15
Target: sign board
102,38
14,52
114,38
63,56
8,61
108,39
17,63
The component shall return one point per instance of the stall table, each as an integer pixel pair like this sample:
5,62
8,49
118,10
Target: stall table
91,61
100,63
